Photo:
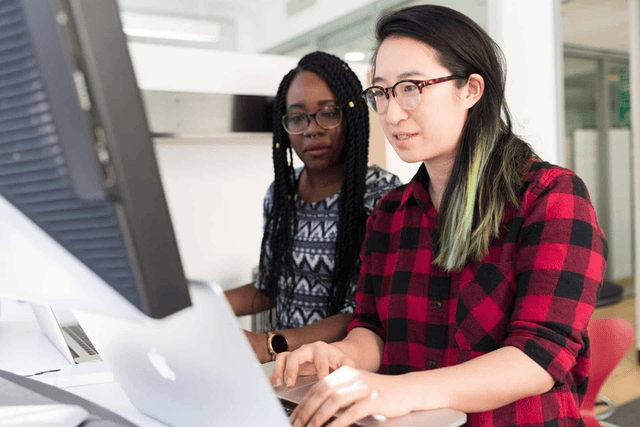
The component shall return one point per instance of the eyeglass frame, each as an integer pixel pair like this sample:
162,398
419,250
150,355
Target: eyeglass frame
310,115
420,84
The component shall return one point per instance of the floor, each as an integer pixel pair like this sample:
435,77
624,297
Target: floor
623,385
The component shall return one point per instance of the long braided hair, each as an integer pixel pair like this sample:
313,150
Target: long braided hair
276,261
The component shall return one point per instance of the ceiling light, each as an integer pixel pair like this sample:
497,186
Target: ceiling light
354,56
169,28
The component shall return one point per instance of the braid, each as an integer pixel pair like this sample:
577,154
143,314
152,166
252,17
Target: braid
282,221
275,260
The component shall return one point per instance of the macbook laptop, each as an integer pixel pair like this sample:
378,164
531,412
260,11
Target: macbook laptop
65,333
196,367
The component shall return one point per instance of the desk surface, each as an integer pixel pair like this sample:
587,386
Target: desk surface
25,350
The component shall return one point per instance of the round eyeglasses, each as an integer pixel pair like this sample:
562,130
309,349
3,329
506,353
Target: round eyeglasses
326,118
406,92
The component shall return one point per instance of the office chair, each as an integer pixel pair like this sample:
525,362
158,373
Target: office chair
610,293
610,339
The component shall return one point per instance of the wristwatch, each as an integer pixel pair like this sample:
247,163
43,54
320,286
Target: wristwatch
276,343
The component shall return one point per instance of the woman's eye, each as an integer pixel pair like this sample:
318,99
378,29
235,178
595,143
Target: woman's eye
410,88
329,114
295,119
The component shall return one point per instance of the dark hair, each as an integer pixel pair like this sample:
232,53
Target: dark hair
281,223
490,159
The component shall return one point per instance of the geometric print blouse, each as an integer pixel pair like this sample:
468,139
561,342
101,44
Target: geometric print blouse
313,252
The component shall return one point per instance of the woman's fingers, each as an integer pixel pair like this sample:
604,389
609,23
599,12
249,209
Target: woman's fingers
357,411
294,361
311,359
353,394
276,378
341,389
321,358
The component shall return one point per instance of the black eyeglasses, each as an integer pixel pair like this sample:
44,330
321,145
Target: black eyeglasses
327,118
406,92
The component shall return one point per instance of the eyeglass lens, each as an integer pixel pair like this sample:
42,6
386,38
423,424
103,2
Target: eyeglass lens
327,118
407,94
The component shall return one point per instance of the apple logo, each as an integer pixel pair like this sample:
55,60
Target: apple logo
159,362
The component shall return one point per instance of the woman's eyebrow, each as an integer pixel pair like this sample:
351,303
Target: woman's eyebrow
323,102
403,76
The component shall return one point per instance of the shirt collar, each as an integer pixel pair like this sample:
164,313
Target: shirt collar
418,190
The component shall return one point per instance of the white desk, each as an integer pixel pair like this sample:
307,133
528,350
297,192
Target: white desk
25,350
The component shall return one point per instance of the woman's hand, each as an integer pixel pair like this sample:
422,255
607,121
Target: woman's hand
259,344
358,393
318,358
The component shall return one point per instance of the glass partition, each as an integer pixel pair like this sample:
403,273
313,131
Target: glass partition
599,140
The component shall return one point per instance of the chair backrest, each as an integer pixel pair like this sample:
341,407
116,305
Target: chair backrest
610,339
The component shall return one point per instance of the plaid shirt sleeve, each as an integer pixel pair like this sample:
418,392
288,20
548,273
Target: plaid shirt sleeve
559,264
366,314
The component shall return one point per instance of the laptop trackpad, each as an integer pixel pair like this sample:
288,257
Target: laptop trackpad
297,392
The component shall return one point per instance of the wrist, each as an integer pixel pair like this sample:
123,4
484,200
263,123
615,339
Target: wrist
421,393
266,355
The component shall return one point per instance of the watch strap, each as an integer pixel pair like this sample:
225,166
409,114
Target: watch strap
272,352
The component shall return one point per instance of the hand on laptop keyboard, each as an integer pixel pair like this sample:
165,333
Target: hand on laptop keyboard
289,407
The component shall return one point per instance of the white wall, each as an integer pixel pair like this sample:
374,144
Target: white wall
184,69
187,69
620,262
215,190
529,33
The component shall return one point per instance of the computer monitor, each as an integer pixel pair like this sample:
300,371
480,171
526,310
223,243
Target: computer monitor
84,222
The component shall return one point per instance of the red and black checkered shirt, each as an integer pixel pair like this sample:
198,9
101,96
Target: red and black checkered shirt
535,290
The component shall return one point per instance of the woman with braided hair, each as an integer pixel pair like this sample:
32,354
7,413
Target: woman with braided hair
315,215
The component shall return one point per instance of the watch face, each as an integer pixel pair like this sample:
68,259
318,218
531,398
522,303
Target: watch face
279,343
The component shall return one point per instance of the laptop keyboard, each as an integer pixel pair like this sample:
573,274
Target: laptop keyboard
78,335
289,406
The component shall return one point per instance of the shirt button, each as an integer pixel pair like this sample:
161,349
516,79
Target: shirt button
438,304
432,364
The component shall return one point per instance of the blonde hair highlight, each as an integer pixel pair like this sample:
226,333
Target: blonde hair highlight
472,215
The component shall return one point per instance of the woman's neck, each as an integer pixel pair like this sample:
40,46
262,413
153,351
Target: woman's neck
439,174
313,187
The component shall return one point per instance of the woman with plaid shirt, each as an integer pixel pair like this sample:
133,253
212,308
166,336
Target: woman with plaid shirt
478,277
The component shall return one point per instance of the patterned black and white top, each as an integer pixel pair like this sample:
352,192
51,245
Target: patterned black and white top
313,252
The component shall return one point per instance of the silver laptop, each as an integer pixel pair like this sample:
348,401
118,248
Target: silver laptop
65,333
196,367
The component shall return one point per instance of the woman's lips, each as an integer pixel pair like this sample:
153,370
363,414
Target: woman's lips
401,137
318,150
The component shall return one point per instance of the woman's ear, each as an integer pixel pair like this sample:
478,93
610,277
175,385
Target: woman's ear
474,90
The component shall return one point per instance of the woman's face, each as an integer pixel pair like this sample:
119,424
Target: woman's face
319,149
431,132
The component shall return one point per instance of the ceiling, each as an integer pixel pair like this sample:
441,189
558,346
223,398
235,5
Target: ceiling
601,24
204,9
